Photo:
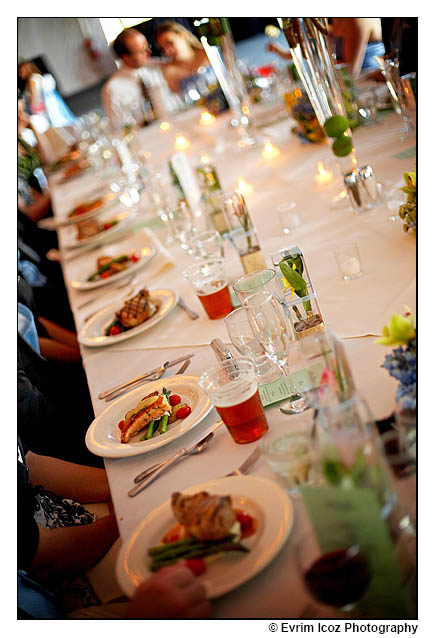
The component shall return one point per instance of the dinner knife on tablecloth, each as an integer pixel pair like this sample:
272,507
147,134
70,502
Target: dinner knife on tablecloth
126,384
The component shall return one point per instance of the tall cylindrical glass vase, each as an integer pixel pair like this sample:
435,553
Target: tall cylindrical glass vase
311,54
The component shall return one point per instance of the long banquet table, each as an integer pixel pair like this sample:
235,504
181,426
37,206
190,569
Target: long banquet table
355,310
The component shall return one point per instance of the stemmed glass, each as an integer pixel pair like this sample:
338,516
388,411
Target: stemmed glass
181,224
401,92
248,345
272,328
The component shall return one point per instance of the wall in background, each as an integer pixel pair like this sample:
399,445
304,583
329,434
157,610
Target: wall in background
61,43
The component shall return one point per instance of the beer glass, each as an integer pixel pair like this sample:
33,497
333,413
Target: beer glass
232,388
209,281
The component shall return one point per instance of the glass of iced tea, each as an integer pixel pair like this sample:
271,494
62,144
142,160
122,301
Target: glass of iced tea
209,281
232,388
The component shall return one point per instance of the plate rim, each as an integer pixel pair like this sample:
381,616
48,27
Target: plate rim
70,221
124,273
128,586
124,451
128,334
100,237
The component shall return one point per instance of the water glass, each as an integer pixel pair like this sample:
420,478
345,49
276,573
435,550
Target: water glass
232,388
181,224
257,281
348,260
207,245
209,282
246,343
289,219
288,456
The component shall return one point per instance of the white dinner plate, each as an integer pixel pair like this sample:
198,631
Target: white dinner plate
92,333
103,437
146,254
266,501
52,222
72,242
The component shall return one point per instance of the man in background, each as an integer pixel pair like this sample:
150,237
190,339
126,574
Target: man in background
137,93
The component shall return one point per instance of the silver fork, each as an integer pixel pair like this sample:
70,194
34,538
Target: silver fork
246,465
122,284
157,375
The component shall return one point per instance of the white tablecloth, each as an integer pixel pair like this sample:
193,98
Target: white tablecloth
355,310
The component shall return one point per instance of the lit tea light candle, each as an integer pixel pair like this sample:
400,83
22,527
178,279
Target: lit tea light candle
270,151
165,126
181,143
205,159
206,118
323,176
243,187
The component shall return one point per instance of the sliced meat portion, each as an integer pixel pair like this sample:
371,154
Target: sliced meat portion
136,310
205,516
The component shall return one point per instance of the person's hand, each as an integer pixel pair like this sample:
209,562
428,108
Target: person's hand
173,592
273,48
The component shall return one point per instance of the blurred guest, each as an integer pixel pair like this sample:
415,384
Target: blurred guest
44,103
138,89
359,40
184,51
400,36
356,41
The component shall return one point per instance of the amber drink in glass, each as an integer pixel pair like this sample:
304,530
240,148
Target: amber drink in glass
232,389
209,281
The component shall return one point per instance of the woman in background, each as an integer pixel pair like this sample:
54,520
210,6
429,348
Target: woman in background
44,104
356,42
184,51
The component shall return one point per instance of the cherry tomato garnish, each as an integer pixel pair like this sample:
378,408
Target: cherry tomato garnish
196,565
135,257
105,274
175,399
121,424
184,412
115,330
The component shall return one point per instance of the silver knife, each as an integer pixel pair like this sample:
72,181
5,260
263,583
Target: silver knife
150,470
174,362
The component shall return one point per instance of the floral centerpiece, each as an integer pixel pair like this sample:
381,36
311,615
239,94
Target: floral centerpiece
407,211
242,232
401,363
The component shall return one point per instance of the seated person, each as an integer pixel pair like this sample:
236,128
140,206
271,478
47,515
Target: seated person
358,41
184,51
57,536
58,539
54,406
137,83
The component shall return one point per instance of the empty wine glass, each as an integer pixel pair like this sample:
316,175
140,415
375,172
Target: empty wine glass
401,92
181,224
272,328
248,345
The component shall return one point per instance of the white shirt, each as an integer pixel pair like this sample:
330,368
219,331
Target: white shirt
123,92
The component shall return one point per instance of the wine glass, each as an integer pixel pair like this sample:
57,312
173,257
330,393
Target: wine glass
248,345
181,224
272,328
338,576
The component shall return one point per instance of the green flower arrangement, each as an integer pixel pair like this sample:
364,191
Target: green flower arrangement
407,211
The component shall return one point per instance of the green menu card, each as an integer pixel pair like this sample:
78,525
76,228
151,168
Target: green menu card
352,516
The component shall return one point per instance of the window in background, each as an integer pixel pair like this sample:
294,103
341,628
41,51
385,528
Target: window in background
113,26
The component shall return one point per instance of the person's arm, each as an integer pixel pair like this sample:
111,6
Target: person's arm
276,48
72,549
174,592
356,38
110,106
69,480
61,345
38,208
